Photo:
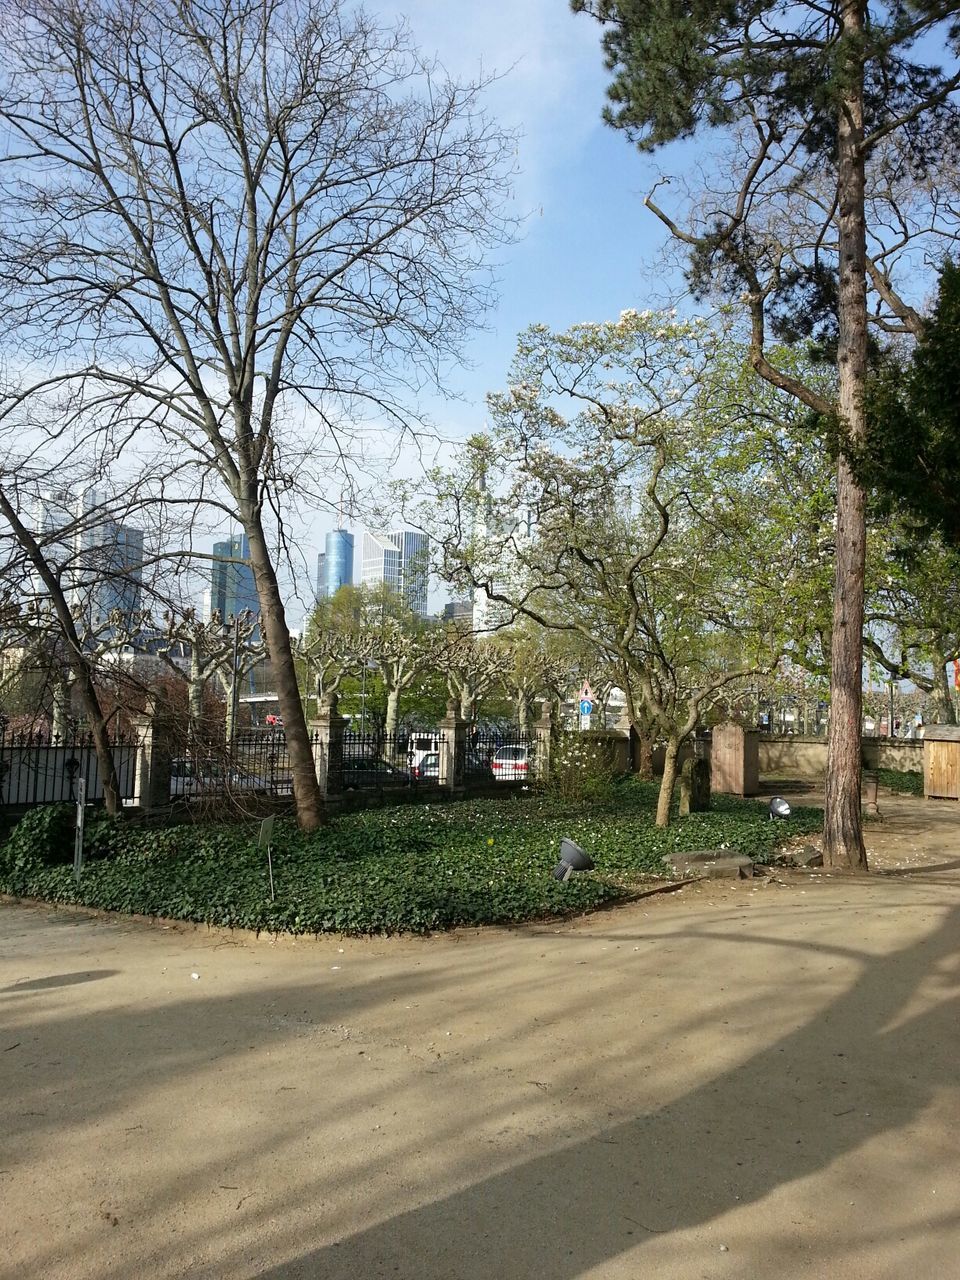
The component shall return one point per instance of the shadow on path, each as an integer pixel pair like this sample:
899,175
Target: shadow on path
59,980
864,1065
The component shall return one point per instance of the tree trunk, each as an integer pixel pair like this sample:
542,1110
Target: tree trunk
306,791
943,703
467,706
393,716
523,712
842,832
195,695
668,782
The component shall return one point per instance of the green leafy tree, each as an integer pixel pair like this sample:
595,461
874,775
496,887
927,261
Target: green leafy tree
652,533
815,95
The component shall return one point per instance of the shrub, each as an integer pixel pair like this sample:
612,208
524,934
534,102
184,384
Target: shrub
582,767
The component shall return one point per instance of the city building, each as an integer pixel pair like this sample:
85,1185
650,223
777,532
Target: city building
232,587
335,563
402,561
458,611
98,558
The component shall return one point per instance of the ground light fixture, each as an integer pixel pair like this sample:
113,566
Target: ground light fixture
779,808
572,858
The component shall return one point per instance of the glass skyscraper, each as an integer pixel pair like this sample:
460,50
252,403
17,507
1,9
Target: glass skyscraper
401,560
232,588
335,563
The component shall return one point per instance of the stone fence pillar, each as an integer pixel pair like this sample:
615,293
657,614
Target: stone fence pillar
453,748
326,735
543,735
154,760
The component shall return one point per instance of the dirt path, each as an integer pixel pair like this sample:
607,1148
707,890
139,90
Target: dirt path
747,1081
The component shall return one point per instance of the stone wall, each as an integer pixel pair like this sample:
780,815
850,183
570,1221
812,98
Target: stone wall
794,756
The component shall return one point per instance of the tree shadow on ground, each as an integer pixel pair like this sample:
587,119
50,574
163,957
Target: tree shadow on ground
58,980
866,1064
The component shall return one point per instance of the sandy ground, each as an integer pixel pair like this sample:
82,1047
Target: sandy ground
756,1081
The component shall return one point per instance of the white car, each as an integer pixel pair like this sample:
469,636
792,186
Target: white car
511,764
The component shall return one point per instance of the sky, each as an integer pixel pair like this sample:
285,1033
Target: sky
588,249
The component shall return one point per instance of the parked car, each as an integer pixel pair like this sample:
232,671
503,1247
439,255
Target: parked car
511,764
419,746
476,767
368,771
189,778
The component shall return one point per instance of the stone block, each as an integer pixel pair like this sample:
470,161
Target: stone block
713,864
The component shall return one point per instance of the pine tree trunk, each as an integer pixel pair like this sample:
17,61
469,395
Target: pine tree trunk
306,792
842,831
668,782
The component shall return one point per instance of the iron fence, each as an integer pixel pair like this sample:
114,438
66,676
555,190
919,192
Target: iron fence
41,768
382,761
256,762
504,754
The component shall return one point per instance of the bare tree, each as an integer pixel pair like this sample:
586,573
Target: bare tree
201,651
252,221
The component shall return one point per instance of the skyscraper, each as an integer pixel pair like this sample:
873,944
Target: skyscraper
232,587
335,563
401,560
100,560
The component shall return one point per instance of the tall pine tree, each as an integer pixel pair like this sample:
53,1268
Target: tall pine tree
816,91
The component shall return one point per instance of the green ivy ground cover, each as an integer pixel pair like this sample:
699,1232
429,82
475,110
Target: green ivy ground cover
900,780
409,869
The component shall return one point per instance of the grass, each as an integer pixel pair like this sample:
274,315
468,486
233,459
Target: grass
407,869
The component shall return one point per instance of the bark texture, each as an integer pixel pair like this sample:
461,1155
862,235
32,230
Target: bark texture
842,833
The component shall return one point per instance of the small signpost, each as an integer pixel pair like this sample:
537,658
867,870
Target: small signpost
586,704
78,836
266,835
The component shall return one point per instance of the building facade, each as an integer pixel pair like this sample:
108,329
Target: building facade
232,586
335,563
99,559
402,561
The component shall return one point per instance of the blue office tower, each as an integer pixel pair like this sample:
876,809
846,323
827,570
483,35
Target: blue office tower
335,565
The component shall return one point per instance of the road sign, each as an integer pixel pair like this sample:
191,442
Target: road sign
586,706
586,692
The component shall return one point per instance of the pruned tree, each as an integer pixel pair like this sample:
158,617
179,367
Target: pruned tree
253,222
212,650
472,665
370,627
841,125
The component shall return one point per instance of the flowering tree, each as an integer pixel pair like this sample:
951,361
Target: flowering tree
661,528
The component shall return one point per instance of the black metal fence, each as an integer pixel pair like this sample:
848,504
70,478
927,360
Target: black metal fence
381,761
506,755
256,762
41,768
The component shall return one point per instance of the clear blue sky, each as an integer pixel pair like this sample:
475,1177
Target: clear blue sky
588,248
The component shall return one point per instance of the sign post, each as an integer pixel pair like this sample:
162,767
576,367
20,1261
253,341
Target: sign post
78,836
266,835
586,707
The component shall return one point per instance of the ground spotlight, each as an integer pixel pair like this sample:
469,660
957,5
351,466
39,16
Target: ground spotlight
779,808
572,858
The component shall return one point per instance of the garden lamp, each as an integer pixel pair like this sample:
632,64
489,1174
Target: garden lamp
572,858
779,808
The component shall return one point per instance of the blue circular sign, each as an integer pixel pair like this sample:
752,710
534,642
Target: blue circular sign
586,706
